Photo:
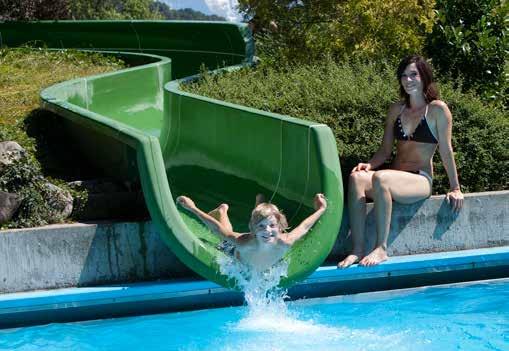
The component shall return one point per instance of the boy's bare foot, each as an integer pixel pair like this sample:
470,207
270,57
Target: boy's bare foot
185,202
219,211
376,256
349,260
259,199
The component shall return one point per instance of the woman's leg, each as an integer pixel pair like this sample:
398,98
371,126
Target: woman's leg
359,187
389,185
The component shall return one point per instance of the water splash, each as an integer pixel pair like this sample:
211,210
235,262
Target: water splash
268,323
260,288
266,308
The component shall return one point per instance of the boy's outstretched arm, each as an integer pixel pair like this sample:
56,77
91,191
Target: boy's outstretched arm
303,228
210,221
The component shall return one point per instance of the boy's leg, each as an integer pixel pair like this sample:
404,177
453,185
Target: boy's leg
221,214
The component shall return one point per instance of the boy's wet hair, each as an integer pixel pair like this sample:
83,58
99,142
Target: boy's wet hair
265,210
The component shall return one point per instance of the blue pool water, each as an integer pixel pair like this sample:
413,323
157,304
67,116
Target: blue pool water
469,316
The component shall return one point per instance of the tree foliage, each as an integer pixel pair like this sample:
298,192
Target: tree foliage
77,9
348,28
34,9
27,10
469,40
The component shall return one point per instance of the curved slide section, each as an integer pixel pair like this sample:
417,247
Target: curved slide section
136,124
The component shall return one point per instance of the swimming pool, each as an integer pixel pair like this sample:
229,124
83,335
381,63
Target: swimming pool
465,316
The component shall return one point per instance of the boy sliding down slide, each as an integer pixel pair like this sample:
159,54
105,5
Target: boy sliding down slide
267,240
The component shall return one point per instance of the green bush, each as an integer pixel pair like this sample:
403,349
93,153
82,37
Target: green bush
24,178
352,99
469,40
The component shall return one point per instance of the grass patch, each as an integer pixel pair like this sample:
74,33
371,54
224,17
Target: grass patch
353,99
24,72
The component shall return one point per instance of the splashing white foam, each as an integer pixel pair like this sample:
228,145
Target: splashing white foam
260,288
267,311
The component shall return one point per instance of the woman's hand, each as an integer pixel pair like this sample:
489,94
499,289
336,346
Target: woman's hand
362,167
455,199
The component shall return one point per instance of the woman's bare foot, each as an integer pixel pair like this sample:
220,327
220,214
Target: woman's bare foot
186,202
349,260
376,256
219,211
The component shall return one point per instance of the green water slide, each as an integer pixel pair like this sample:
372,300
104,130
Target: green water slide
138,125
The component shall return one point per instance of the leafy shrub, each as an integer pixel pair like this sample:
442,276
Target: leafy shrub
469,40
351,28
353,99
481,141
24,178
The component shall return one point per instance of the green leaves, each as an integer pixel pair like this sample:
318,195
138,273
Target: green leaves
27,10
311,30
469,40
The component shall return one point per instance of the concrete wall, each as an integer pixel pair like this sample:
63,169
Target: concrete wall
430,226
84,254
100,253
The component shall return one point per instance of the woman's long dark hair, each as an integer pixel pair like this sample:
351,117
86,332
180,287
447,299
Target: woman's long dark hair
429,87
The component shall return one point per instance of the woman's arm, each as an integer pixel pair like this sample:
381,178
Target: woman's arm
210,221
303,228
444,126
385,150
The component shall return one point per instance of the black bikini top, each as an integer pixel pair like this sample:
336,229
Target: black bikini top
421,134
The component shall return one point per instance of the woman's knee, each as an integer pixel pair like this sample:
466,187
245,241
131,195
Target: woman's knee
381,180
358,180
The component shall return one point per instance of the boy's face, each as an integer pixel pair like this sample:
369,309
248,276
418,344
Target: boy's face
267,230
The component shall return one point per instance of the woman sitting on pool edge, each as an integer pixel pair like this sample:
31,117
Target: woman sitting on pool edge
267,240
419,123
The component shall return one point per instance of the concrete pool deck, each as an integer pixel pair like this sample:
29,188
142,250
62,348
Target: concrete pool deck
72,304
90,254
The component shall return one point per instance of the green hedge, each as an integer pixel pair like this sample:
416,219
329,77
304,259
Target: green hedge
353,98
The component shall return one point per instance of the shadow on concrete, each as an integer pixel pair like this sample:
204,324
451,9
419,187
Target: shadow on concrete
402,215
444,219
129,252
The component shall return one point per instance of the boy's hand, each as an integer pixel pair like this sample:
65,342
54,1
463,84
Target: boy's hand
320,202
186,202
